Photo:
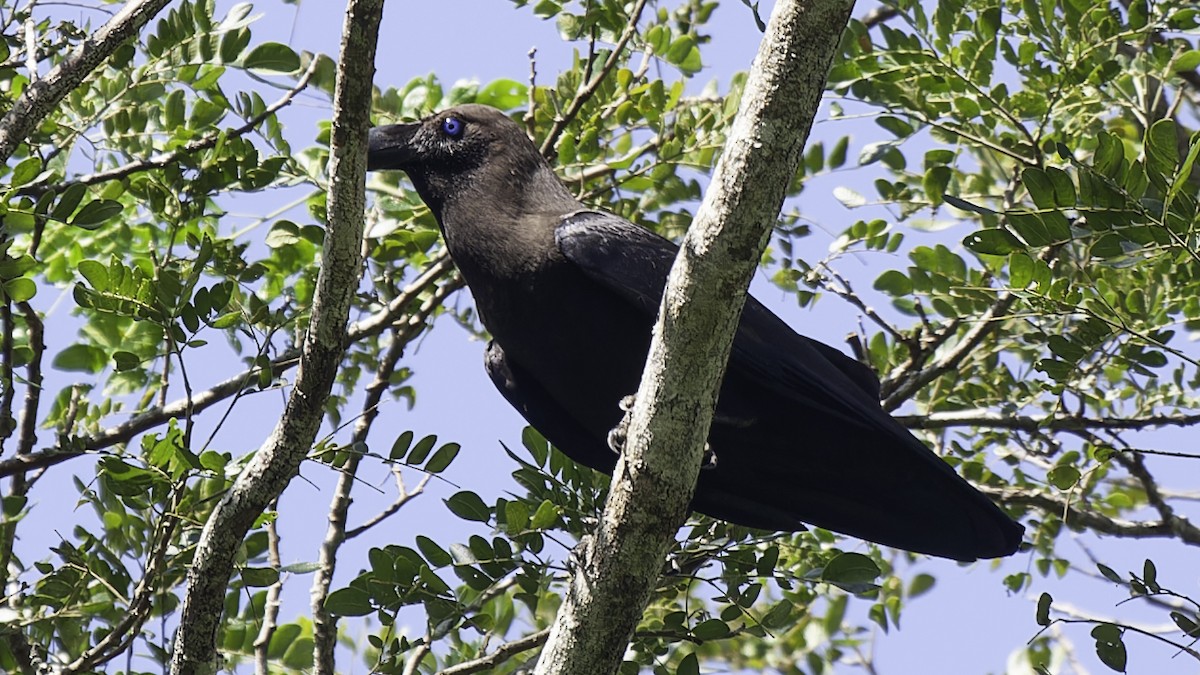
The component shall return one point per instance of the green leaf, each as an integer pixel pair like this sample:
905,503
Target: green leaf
283,233
851,568
1059,371
436,555
94,213
123,361
777,617
1020,270
421,450
935,182
442,458
205,114
259,577
1186,624
1110,574
273,56
1162,153
81,358
20,289
1043,609
921,584
1109,646
400,446
68,202
895,283
992,241
96,274
26,171
688,665
545,515
1187,61
516,516
468,506
711,629
837,156
349,602
1150,575
1063,477
503,94
898,127
965,205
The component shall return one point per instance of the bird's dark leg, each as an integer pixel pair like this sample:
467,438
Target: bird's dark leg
616,437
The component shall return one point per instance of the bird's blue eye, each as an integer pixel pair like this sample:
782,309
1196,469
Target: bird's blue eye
453,127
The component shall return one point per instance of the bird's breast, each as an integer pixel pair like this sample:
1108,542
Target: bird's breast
582,343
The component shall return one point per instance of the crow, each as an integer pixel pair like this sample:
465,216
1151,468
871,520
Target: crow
569,295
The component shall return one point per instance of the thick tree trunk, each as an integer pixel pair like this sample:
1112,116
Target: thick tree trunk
616,568
278,460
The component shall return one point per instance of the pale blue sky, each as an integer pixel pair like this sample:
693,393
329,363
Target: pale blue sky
967,624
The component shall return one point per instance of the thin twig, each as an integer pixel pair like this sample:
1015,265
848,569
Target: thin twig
270,618
589,89
41,98
502,653
191,147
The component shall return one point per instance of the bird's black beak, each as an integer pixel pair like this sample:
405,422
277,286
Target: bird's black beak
390,147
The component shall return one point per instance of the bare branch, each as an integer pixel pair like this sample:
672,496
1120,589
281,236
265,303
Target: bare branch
278,460
618,565
588,90
989,419
324,624
1060,506
191,147
270,619
503,653
125,631
42,97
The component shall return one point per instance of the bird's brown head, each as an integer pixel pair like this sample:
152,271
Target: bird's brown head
456,152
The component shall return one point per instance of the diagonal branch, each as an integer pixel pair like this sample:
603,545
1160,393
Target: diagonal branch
193,146
1062,507
42,97
324,624
987,419
618,565
589,89
279,459
503,653
153,417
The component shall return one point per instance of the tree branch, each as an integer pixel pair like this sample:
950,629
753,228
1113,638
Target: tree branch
616,568
503,653
278,460
1071,514
324,624
588,90
191,147
989,419
42,97
155,416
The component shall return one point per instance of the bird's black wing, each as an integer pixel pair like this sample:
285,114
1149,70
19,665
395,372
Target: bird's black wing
803,421
634,262
546,414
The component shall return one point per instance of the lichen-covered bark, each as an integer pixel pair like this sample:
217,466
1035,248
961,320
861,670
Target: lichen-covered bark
43,96
652,485
279,458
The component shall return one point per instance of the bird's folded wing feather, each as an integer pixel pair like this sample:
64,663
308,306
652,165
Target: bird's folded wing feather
634,262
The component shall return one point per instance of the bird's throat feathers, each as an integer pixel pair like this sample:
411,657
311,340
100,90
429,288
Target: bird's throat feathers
517,232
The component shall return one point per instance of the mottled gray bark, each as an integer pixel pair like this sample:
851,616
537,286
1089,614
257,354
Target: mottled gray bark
279,458
43,96
617,567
